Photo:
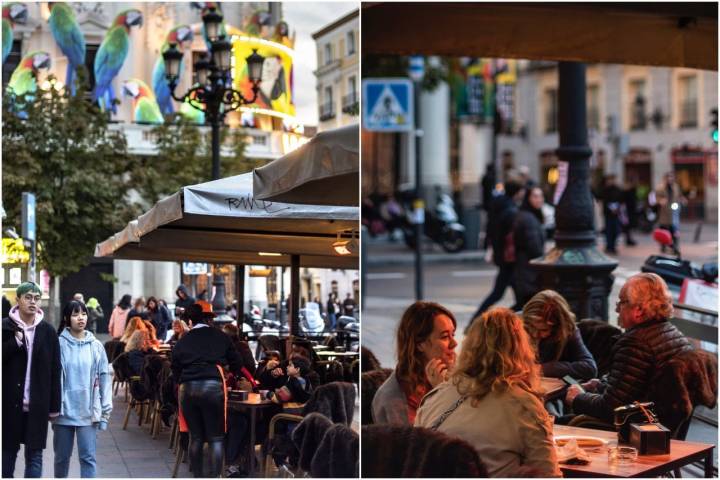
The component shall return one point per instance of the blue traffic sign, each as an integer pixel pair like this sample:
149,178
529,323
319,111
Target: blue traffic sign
388,104
416,68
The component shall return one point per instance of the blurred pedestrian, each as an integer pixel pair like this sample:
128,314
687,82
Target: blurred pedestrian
139,309
86,392
501,218
183,301
331,311
95,313
79,297
670,199
119,317
349,305
529,237
30,381
160,317
612,199
630,196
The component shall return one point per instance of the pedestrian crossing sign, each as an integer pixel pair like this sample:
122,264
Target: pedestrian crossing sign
387,104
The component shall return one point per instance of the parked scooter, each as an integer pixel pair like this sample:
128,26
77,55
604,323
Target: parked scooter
673,269
441,226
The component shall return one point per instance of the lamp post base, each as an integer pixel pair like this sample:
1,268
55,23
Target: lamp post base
581,274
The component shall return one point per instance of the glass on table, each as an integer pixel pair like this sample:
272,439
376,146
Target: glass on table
621,455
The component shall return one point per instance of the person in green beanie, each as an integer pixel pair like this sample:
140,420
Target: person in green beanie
30,381
95,313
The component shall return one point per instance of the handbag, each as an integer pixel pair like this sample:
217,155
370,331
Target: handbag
639,413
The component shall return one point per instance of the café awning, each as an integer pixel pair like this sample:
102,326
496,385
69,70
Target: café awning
678,34
221,222
324,171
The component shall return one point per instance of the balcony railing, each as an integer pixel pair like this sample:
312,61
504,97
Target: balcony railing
350,104
327,111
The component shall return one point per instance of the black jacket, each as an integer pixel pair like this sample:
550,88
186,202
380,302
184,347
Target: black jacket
637,357
161,320
529,237
575,359
44,385
197,354
500,221
183,303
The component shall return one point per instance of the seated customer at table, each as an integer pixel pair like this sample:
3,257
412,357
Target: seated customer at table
492,400
152,333
551,326
644,309
137,347
297,388
242,347
179,328
270,374
133,324
426,353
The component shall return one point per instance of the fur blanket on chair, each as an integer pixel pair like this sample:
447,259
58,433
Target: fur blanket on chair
403,451
335,400
599,337
369,384
686,381
337,455
308,435
368,360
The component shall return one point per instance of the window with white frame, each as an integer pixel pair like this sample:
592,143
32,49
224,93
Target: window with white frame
688,95
637,99
350,42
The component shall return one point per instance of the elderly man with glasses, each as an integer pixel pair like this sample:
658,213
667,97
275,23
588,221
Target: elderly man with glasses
30,381
644,309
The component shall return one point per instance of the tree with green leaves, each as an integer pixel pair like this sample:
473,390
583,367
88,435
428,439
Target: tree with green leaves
64,151
184,158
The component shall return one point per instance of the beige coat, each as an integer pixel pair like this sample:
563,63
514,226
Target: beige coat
511,431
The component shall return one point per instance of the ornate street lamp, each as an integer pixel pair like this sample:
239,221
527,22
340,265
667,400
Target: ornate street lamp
212,95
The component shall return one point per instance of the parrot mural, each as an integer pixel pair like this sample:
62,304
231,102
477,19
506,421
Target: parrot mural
178,36
111,56
69,38
145,107
24,79
204,7
193,114
12,14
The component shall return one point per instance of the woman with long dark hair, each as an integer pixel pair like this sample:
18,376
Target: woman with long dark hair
160,317
86,392
529,238
197,361
426,353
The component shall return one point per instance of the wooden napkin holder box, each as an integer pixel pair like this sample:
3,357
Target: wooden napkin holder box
650,438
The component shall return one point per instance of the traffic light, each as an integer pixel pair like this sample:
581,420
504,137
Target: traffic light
714,124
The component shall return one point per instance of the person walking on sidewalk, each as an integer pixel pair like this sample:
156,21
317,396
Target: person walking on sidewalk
119,317
86,392
30,381
529,236
612,199
669,199
95,314
501,217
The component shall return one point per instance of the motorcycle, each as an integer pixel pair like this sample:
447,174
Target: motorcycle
673,269
441,226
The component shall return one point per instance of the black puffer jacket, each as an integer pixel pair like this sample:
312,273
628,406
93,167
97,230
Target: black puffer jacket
637,357
529,237
500,221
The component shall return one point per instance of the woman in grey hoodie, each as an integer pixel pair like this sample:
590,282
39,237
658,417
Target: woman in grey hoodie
86,392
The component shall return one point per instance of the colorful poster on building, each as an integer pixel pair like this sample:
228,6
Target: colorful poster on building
276,86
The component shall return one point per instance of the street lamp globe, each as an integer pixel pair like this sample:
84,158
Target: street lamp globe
221,52
255,66
172,57
202,70
212,21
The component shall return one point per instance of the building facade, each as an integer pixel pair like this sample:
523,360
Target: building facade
338,79
271,128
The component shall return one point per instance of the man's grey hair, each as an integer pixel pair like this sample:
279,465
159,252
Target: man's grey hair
649,292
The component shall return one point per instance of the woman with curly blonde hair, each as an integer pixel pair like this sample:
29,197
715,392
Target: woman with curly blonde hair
426,353
492,400
560,348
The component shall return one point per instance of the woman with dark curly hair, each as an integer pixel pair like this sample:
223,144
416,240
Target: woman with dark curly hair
492,400
426,353
560,348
